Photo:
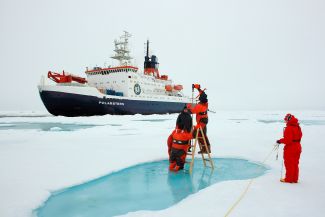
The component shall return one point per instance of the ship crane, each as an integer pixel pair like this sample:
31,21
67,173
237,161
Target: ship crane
65,78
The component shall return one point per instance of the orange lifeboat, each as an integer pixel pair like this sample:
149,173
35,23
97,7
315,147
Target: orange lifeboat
168,87
178,87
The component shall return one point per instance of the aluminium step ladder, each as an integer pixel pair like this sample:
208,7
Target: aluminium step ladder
192,153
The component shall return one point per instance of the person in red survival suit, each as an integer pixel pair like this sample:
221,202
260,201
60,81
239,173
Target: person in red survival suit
178,141
201,111
292,148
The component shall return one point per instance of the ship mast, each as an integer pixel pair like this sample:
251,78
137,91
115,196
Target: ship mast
122,52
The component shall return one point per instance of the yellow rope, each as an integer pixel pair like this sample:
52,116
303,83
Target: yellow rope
249,184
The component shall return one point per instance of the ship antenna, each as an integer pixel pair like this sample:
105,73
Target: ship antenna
147,47
122,53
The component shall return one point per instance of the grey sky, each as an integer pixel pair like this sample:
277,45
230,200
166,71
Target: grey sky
251,54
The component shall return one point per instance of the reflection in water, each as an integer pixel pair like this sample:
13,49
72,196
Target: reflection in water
183,184
180,184
148,186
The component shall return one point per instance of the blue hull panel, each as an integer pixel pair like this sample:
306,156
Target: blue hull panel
67,104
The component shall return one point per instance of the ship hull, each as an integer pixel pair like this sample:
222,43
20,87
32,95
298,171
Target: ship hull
72,104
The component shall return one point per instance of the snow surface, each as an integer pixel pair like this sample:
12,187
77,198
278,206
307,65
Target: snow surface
34,163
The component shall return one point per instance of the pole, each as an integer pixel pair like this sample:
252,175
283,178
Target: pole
281,168
192,121
192,103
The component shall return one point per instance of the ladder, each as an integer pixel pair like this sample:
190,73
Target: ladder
193,146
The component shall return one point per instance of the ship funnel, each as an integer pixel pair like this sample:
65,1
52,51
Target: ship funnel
151,63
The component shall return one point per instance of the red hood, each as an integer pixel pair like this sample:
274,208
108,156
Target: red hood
293,121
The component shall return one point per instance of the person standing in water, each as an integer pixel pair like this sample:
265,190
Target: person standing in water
178,141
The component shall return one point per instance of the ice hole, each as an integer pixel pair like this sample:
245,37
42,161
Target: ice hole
147,186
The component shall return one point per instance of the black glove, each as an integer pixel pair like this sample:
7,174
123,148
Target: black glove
278,141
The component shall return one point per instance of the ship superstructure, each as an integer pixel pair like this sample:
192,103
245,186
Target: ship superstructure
121,89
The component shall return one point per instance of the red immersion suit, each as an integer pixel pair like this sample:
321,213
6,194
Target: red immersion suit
201,111
178,144
291,138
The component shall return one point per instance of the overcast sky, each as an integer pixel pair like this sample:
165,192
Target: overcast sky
253,54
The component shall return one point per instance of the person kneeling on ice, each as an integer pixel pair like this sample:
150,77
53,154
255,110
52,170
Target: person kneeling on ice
178,141
292,148
201,111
